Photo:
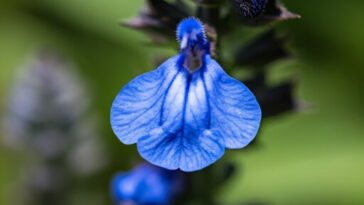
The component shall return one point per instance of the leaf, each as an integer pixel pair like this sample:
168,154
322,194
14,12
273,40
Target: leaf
263,50
159,19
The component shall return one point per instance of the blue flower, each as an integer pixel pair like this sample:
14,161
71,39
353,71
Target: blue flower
186,112
146,184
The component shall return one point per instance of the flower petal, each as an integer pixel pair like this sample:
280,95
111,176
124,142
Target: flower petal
184,140
174,150
184,120
136,109
235,112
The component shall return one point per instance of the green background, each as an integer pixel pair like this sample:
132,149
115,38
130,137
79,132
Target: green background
314,156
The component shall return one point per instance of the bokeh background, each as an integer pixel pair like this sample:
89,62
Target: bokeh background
315,155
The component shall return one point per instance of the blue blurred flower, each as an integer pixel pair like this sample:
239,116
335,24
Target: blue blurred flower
146,184
183,114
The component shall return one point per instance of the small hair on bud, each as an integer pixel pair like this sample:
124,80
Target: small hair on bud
190,25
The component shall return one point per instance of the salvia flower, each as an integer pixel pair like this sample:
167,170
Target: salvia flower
45,106
186,112
146,184
48,118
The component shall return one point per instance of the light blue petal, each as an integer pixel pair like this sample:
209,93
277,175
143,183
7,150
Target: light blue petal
136,109
235,112
184,140
186,152
182,120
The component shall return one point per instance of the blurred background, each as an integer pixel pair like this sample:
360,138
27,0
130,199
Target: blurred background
315,155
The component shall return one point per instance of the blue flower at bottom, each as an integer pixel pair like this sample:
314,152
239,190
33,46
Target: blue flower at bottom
146,185
186,112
